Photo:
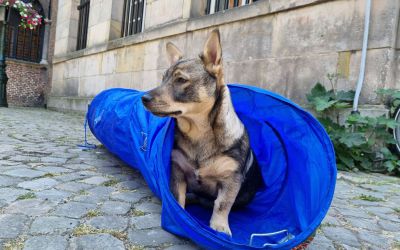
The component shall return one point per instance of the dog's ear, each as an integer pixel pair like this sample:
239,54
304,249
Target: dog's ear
212,53
174,54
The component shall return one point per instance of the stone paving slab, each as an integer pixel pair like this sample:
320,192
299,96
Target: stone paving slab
54,195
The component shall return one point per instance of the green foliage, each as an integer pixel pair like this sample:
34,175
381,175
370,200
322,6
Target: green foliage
390,97
360,142
323,100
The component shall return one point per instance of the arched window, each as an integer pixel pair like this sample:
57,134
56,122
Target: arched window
22,43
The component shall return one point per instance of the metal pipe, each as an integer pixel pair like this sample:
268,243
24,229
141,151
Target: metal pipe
363,56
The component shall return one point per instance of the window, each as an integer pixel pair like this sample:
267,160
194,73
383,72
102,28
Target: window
219,5
83,9
24,44
132,22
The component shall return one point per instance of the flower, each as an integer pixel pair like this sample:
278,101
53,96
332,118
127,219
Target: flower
30,18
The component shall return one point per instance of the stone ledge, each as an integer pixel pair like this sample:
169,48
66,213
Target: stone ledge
27,63
68,103
257,9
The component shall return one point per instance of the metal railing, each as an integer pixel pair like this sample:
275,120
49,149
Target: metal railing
83,9
214,6
132,22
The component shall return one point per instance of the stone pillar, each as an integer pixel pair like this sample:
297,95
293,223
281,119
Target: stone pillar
67,27
105,21
45,48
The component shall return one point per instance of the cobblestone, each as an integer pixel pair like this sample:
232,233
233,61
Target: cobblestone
49,188
52,224
109,222
46,243
74,209
12,225
115,207
97,241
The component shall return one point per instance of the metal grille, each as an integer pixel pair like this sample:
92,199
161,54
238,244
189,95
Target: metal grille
133,17
219,5
83,9
23,44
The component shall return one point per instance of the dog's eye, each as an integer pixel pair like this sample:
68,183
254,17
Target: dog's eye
181,80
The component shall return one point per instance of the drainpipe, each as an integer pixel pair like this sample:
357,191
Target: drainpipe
363,56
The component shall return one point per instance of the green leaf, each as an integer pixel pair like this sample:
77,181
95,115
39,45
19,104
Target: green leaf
385,151
353,139
346,160
366,164
345,95
389,166
356,119
318,90
396,102
387,122
341,105
323,103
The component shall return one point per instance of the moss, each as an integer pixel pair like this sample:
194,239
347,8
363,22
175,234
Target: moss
328,225
49,175
132,247
84,229
27,196
83,192
93,213
15,244
110,183
368,198
136,213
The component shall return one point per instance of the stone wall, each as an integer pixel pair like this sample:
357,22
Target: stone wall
282,45
26,84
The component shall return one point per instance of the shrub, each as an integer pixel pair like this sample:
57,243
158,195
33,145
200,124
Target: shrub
360,142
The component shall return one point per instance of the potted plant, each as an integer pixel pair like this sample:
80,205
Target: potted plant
30,18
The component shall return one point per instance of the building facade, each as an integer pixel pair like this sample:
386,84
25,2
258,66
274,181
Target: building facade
282,45
27,58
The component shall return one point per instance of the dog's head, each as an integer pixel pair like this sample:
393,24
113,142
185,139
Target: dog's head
189,86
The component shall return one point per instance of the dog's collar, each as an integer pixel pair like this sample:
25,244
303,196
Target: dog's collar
249,162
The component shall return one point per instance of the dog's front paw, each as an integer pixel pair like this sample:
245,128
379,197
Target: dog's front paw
221,227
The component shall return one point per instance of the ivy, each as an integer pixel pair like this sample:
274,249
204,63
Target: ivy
360,142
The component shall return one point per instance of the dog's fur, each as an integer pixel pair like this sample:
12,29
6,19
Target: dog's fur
211,143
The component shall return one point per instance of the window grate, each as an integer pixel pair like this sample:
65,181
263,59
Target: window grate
83,9
132,22
214,6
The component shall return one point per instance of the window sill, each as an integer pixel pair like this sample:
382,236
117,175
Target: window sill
28,63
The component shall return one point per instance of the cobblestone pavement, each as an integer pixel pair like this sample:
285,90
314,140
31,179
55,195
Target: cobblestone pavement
56,196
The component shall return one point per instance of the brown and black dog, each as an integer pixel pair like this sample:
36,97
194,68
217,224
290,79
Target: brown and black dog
211,160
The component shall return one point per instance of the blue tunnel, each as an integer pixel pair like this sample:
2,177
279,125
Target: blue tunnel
294,153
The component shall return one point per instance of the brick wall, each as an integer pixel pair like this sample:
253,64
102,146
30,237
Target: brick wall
27,83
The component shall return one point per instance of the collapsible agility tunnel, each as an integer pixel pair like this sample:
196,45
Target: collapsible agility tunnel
293,150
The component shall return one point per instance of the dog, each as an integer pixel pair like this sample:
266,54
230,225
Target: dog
211,161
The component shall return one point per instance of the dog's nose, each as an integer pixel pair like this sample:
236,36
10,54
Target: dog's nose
146,98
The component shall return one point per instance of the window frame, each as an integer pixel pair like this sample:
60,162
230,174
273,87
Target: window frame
131,15
215,6
83,24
